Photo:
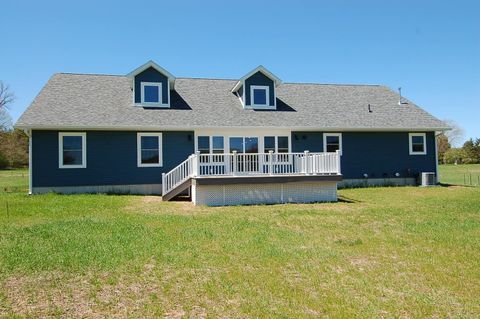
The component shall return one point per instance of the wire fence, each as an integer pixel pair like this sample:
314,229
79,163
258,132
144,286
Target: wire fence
470,179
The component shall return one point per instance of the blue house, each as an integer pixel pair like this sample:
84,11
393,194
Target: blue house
249,140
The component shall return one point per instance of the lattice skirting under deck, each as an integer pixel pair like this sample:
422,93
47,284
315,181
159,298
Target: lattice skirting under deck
276,193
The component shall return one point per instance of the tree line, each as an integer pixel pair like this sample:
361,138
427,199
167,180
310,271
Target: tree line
13,143
468,153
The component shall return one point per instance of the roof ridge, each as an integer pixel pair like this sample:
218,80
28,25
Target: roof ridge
96,74
225,79
342,84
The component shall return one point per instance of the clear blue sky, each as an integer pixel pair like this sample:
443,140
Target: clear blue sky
429,48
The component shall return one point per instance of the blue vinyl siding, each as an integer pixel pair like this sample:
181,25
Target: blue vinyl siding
259,79
111,159
378,154
151,75
112,156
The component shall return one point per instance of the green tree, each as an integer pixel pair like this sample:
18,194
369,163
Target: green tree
454,156
471,149
443,145
13,149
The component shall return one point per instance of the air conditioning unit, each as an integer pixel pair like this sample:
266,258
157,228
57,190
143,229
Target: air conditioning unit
428,179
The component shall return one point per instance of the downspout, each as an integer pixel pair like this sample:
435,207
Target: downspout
30,172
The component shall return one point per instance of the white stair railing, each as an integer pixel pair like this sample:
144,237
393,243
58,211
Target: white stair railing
179,174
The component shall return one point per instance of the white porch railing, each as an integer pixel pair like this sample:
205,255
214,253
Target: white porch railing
234,164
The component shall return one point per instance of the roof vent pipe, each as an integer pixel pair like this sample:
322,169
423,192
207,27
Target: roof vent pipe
400,102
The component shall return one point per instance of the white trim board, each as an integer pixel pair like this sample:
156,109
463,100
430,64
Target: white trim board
243,133
339,135
159,85
192,128
265,106
143,67
83,135
276,80
410,144
139,149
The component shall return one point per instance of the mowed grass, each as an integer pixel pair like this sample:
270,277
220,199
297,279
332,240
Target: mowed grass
467,174
15,180
381,252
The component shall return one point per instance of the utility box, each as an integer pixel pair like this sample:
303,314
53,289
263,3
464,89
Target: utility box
428,179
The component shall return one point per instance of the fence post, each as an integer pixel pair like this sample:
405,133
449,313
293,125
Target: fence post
470,179
270,162
305,158
235,159
338,162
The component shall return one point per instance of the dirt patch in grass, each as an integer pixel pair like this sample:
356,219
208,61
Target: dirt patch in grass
155,205
94,295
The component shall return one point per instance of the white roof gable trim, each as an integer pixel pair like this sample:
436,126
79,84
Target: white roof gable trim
276,80
152,64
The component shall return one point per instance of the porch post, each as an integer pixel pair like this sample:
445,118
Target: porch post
235,159
270,162
197,163
305,158
338,161
163,184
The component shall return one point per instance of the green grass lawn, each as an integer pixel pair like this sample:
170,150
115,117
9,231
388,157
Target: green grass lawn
381,252
15,180
460,174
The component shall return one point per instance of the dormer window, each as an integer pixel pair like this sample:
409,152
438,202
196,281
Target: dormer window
151,93
257,89
151,86
260,95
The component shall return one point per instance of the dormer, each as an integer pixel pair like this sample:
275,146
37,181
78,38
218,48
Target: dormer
151,85
256,90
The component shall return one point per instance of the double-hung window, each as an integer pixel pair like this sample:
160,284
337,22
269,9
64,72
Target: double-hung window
72,147
278,145
203,145
259,95
151,93
417,144
332,142
217,145
211,145
149,150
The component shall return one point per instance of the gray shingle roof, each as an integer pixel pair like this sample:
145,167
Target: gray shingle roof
106,102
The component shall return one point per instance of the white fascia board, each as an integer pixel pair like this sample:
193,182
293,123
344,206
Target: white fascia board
276,80
140,69
192,128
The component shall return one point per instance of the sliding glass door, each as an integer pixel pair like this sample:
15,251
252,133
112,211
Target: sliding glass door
247,148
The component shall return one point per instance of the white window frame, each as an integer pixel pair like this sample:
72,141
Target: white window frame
210,143
267,97
410,144
83,135
139,150
339,135
159,85
276,142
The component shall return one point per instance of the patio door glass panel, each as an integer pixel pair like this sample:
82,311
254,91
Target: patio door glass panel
247,162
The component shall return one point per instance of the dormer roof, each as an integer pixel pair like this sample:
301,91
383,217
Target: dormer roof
152,64
276,80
